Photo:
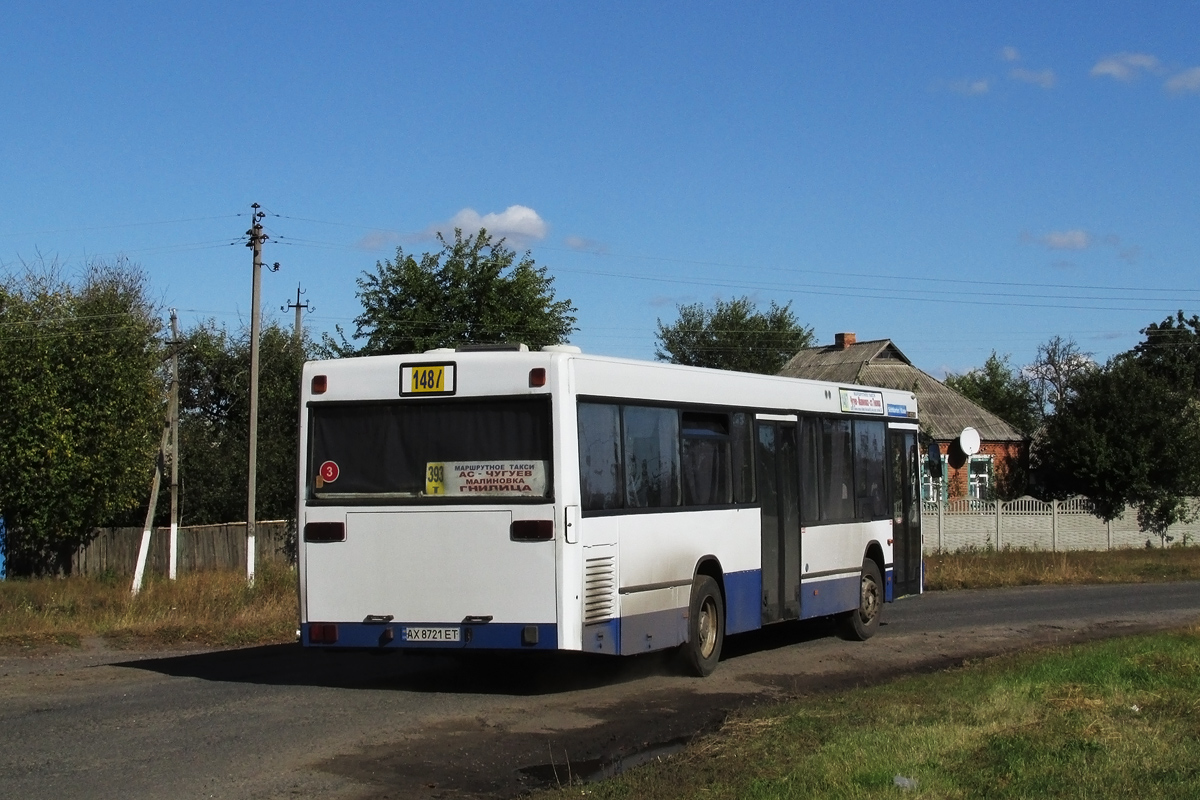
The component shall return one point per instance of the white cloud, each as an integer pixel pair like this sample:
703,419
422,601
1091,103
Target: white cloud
1186,81
970,88
1125,66
660,300
377,240
1067,240
1009,54
585,245
1127,253
1044,78
518,224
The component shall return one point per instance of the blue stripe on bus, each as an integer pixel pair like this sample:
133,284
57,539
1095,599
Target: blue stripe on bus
656,630
889,589
743,601
490,636
602,637
833,596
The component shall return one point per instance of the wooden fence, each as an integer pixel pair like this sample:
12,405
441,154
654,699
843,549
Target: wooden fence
1029,523
201,547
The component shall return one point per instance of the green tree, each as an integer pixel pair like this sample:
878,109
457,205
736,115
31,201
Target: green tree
214,379
733,335
1129,433
80,374
1002,390
472,291
1172,351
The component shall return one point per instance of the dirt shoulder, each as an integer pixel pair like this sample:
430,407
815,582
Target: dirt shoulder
278,720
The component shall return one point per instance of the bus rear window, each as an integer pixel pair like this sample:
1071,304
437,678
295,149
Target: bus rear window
410,450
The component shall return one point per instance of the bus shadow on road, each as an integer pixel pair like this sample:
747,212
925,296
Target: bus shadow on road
476,672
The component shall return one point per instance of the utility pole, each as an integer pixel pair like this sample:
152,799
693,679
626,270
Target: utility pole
167,448
139,570
297,305
257,237
173,414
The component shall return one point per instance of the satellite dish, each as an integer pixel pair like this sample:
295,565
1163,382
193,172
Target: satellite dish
968,440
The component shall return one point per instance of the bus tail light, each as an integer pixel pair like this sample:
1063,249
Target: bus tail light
537,377
532,530
323,633
319,384
324,532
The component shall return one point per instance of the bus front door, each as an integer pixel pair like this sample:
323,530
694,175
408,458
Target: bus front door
905,463
779,494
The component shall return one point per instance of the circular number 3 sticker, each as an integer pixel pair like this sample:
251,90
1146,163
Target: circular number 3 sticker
329,471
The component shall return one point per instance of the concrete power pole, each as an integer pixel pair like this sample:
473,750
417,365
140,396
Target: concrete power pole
298,331
257,237
173,415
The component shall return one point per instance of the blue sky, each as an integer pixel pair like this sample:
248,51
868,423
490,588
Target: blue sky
959,177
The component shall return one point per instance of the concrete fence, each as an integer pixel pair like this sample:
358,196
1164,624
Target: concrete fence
1029,523
201,547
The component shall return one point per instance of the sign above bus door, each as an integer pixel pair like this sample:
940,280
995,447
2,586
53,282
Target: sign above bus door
428,379
856,401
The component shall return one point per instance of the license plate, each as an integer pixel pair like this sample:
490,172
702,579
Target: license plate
430,634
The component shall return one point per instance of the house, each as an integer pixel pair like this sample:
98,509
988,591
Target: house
944,412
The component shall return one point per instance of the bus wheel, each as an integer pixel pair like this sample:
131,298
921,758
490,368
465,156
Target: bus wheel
860,624
706,628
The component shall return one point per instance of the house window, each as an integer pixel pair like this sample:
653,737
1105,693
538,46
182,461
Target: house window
979,477
933,488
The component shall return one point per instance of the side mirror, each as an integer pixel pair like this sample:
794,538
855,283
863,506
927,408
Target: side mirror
933,463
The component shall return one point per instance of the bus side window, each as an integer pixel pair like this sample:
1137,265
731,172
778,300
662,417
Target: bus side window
705,459
742,441
599,456
868,469
837,471
651,457
810,467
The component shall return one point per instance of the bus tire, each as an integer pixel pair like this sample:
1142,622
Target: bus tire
860,624
706,628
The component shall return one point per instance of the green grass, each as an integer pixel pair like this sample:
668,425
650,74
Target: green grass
1119,718
209,608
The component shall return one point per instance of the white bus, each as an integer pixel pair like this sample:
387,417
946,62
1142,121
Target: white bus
511,499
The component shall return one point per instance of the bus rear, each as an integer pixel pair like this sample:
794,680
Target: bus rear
427,513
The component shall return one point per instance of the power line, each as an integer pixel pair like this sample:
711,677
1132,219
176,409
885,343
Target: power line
122,225
737,265
868,294
52,320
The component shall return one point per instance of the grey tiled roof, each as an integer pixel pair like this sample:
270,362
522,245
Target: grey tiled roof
944,412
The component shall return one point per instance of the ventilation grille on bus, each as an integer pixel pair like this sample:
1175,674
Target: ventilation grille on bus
600,587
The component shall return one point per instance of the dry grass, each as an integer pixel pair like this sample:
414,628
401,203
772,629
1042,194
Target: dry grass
986,569
210,608
218,609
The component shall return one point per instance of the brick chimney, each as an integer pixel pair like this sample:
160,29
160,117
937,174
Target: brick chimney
844,340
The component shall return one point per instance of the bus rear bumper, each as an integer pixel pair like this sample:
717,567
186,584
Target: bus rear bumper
430,636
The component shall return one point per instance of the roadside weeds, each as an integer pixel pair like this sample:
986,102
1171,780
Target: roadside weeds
218,609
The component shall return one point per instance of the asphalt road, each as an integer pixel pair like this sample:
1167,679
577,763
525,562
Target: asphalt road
279,721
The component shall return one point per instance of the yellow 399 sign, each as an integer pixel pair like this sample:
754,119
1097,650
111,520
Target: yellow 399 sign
428,379
504,478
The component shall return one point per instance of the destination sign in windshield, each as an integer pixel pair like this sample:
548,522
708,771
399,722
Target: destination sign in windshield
504,478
